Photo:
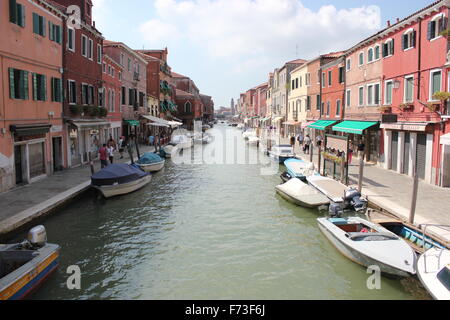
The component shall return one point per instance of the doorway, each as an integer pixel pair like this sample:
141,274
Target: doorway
57,154
18,150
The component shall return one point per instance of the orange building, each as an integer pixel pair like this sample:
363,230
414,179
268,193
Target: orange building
32,139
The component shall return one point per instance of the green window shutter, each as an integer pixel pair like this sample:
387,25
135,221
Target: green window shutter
60,90
59,34
12,87
51,35
24,87
22,23
13,11
34,79
43,24
53,91
35,23
44,88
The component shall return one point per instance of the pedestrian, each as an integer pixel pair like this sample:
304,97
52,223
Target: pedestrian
112,142
300,139
350,152
130,147
111,154
292,141
103,151
307,143
319,140
121,146
151,140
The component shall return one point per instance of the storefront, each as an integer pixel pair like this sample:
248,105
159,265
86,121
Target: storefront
408,145
320,128
292,128
362,134
30,152
85,139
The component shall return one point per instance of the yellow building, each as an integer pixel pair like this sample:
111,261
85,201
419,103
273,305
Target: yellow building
297,100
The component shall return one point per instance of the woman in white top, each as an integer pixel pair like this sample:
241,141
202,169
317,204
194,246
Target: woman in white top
111,154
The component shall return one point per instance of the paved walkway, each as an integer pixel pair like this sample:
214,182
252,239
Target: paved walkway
28,202
392,192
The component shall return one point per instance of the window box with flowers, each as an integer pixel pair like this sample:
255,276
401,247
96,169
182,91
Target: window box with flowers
332,157
406,106
385,109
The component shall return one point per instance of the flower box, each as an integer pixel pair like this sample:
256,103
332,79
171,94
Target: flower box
385,109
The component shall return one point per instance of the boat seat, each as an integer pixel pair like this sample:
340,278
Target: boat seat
371,236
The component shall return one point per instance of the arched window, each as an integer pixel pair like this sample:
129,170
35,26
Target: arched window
187,107
361,58
370,55
388,47
377,52
409,39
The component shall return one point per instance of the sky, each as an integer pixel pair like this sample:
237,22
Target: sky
229,46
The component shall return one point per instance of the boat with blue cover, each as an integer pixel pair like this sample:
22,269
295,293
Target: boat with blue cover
297,168
27,265
151,162
119,178
281,152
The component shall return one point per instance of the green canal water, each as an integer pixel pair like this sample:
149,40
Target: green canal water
205,231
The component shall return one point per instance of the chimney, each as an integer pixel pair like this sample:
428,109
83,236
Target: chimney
398,19
93,24
388,23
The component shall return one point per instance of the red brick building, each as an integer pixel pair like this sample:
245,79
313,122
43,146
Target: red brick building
110,95
187,97
333,90
208,108
82,61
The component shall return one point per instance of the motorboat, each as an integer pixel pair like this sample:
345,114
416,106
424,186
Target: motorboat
170,150
203,138
299,193
370,244
182,142
249,133
342,198
120,178
299,168
25,266
151,162
433,270
253,140
281,152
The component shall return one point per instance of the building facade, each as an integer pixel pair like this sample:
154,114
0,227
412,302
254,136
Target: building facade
110,96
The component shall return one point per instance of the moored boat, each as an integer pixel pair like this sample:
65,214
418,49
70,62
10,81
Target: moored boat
253,140
369,244
151,162
301,194
170,150
433,270
299,169
342,197
118,179
25,266
182,142
281,152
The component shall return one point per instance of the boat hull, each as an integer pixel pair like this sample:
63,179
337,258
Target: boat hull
313,201
23,281
120,189
153,167
436,260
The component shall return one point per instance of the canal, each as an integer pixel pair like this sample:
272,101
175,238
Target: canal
205,231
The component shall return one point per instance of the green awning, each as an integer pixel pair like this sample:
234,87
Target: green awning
133,123
353,126
322,124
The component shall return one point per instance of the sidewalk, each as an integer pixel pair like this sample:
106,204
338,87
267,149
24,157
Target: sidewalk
393,192
26,203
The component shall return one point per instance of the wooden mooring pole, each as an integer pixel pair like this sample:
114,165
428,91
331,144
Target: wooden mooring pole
361,171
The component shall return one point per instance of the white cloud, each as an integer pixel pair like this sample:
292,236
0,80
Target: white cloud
244,30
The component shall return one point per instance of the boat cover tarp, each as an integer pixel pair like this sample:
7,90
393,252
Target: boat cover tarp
149,158
117,173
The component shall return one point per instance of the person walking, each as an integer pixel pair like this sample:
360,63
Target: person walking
111,154
103,151
111,142
319,140
307,144
130,147
292,141
300,139
121,146
350,152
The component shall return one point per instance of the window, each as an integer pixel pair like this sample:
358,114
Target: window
71,39
90,49
299,80
104,68
112,72
124,98
91,95
348,64
341,74
361,96
72,92
388,48
308,79
409,39
370,55
16,13
99,54
389,85
84,93
83,45
39,24
101,101
318,102
373,94
328,108
129,64
308,103
113,99
323,79
409,89
120,75
377,52
141,99
187,107
436,26
322,109
329,78
54,32
435,82
293,84
109,70
39,87
122,59
348,97
361,58
18,84
338,107
56,90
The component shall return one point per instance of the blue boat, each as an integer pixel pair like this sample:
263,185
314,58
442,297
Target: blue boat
297,168
151,162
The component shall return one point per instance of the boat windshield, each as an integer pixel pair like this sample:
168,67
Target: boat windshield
444,276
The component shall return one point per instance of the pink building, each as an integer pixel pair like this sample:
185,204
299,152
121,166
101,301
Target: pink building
32,138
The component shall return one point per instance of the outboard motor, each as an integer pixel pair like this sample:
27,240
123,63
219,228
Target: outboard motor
335,210
37,237
353,197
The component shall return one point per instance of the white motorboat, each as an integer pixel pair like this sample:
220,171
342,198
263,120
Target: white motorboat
118,179
370,244
433,269
182,142
151,162
171,150
281,152
301,194
253,140
341,196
